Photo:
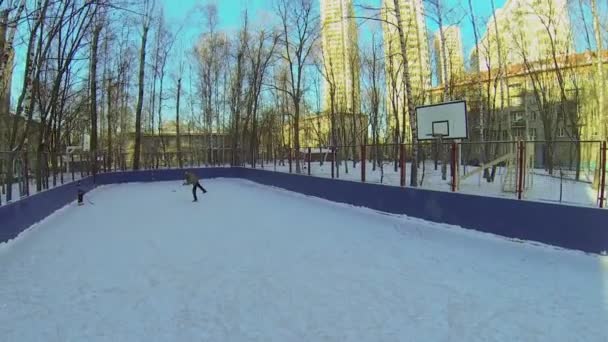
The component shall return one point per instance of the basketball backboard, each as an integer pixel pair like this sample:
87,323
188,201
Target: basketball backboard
446,120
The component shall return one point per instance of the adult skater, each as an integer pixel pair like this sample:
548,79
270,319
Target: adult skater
192,179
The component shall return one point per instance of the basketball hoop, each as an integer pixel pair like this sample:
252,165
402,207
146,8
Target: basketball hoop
442,121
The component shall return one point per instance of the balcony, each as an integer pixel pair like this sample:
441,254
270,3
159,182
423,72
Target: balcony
518,123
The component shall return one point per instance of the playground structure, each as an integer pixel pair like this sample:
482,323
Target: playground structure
518,167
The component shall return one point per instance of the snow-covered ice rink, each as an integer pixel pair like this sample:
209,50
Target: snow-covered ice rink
253,263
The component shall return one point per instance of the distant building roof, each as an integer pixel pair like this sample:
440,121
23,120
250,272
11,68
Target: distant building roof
564,61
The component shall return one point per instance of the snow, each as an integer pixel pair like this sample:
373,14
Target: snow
144,263
544,188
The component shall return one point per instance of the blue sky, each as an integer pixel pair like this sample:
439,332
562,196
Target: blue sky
186,16
183,13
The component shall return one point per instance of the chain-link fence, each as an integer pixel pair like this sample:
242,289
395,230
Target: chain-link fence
567,172
26,173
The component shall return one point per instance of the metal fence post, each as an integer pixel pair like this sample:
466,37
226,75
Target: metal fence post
289,158
26,174
333,162
454,165
603,175
309,158
72,166
524,165
520,168
362,162
402,164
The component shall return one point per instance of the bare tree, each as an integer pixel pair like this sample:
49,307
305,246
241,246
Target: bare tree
326,68
502,67
407,85
299,35
373,67
165,40
259,57
480,101
10,16
146,21
208,51
437,14
93,91
236,91
599,65
177,123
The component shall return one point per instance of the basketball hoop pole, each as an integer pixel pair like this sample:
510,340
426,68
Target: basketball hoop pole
440,153
456,155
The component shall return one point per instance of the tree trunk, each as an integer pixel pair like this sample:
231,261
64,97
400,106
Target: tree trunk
296,135
140,99
501,66
482,147
4,81
407,85
160,116
9,28
600,68
93,88
179,141
110,122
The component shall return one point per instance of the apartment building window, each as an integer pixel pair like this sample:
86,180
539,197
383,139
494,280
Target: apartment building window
561,132
534,115
516,101
532,133
572,93
515,89
517,116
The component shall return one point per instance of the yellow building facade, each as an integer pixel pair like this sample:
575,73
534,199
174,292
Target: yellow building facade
316,130
525,30
413,23
537,109
452,56
340,56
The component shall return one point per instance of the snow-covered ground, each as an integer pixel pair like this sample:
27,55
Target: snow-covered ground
141,262
543,187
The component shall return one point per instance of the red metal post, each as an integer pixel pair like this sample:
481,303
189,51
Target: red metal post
603,175
363,166
454,165
402,163
520,168
309,157
524,162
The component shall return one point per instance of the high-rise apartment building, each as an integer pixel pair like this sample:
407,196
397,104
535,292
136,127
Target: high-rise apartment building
414,26
527,30
340,56
452,56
